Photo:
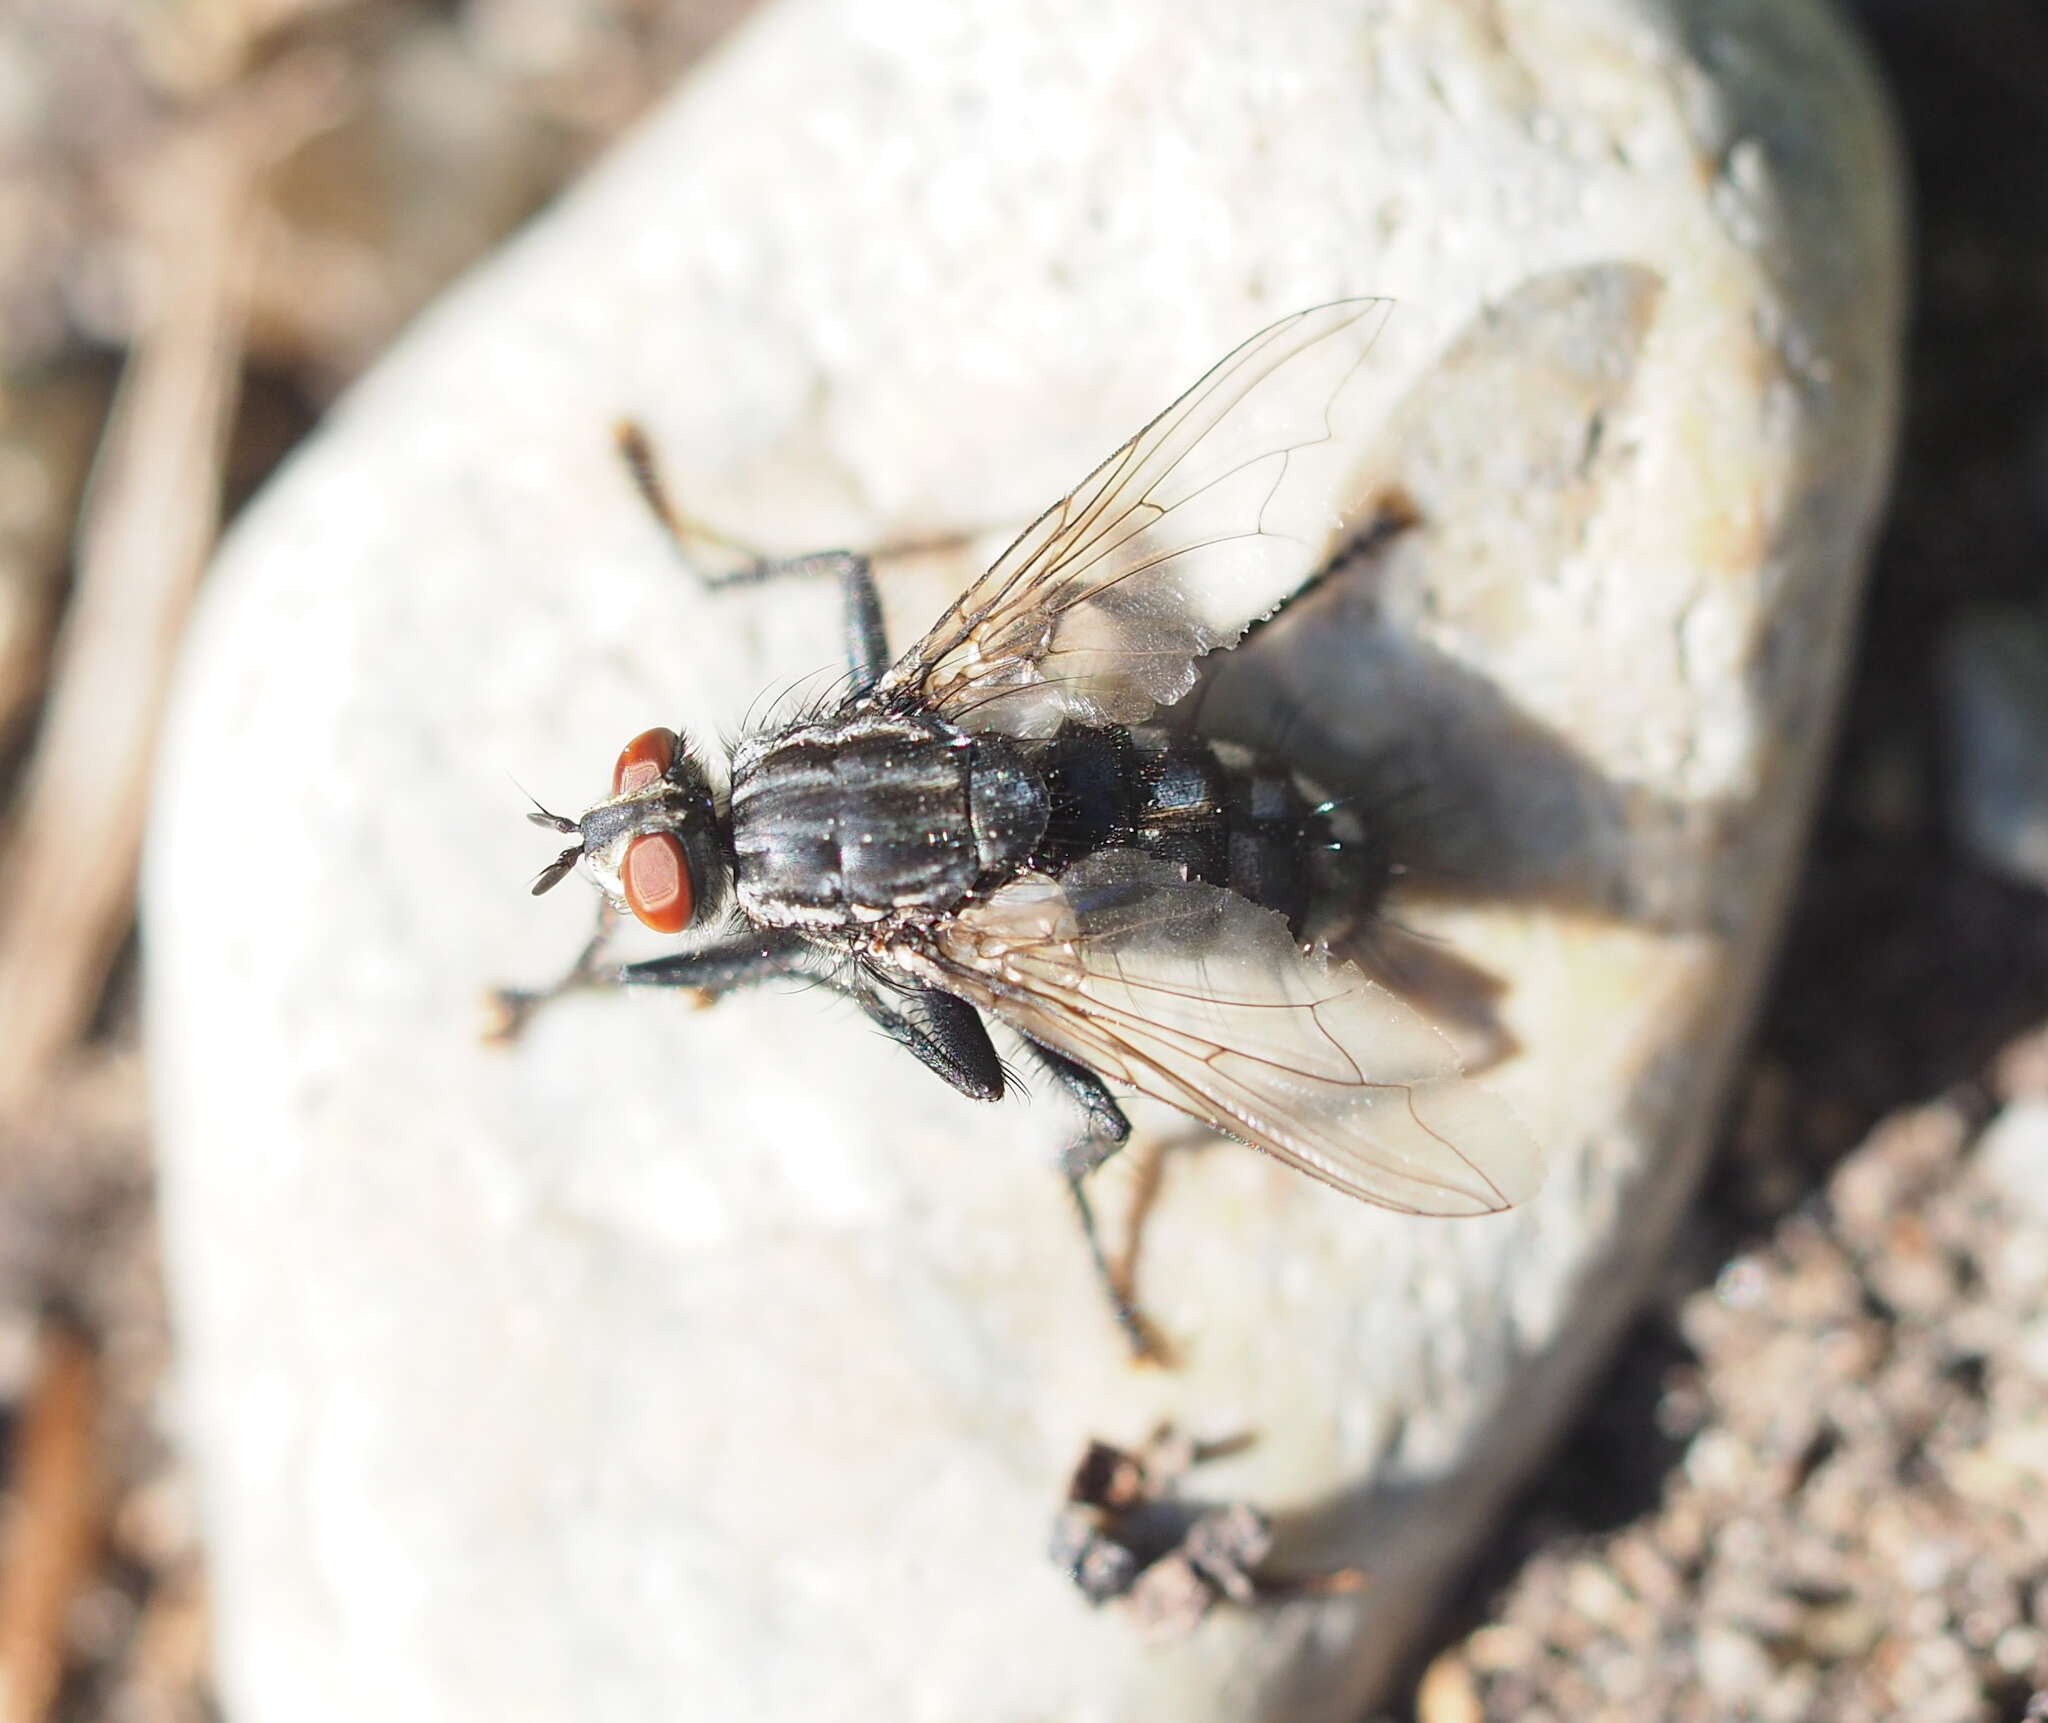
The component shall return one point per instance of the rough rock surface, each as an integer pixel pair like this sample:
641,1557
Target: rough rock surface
725,1364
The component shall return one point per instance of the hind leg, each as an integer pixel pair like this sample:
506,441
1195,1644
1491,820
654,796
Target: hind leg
1104,1130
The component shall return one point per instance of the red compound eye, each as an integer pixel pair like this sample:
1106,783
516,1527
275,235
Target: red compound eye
647,757
656,878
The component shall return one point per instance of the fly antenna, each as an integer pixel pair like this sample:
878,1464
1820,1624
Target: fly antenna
540,815
557,870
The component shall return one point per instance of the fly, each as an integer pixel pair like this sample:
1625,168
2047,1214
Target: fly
993,824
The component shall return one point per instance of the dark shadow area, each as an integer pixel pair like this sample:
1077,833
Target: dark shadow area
1473,796
1636,1427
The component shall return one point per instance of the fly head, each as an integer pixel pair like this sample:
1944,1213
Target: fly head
654,845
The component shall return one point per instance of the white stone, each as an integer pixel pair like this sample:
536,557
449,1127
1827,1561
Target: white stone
723,1364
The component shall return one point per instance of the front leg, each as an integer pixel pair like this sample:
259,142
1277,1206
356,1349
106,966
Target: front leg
512,1008
746,959
945,1034
749,958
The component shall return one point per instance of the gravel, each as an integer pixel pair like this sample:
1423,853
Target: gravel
1856,1526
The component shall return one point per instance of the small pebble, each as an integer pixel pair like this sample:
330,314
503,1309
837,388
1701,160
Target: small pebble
1448,1694
1734,1668
2012,1156
2017,1650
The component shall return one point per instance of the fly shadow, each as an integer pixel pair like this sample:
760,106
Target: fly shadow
1486,481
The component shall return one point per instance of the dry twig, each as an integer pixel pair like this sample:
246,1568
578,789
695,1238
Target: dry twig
67,878
55,1524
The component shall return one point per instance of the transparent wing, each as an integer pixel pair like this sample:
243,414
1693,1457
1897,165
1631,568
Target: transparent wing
1200,998
1208,519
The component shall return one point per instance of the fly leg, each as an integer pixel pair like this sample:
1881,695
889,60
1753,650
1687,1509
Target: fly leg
946,1035
708,974
512,1008
1104,1130
747,961
867,643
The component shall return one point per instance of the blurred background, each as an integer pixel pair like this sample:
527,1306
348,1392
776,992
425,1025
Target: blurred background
1815,1484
